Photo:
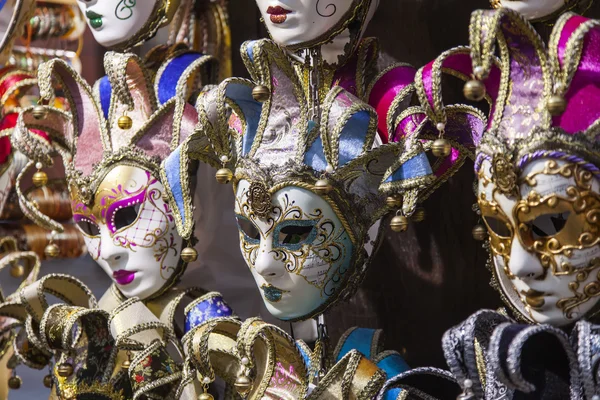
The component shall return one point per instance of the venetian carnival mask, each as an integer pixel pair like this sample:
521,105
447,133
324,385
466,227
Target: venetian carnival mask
544,230
537,166
532,9
299,24
298,251
130,231
117,195
125,23
308,201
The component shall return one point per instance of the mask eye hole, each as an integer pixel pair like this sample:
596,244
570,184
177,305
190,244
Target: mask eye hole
548,225
126,216
295,234
499,227
88,227
248,229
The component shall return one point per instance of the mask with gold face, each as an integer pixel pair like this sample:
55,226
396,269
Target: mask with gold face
111,147
537,166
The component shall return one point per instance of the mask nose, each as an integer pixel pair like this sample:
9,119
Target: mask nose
523,264
265,264
109,252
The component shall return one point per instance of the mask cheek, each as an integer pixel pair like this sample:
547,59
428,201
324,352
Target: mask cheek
93,245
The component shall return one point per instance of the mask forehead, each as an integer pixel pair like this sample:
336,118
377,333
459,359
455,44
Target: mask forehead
123,185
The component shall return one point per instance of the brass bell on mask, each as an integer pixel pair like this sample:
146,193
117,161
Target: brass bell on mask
419,215
243,385
441,148
479,233
39,179
399,223
51,251
15,382
126,364
39,112
394,201
322,187
48,382
556,105
261,93
224,176
65,370
189,254
125,122
17,271
474,90
205,396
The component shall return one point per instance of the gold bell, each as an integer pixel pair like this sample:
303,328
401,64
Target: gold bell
224,176
474,90
189,254
479,233
39,112
205,396
419,215
399,223
441,148
126,364
125,122
51,251
243,385
394,201
556,105
48,381
261,93
65,370
322,187
40,178
14,382
17,271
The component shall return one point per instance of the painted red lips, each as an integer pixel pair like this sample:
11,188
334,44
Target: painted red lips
278,14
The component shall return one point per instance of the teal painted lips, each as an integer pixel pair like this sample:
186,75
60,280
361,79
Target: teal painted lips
272,294
95,19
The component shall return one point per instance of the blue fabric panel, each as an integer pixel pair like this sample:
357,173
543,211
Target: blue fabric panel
105,90
213,307
172,170
250,48
392,394
2,4
415,167
167,85
353,136
315,156
242,95
305,356
393,365
359,339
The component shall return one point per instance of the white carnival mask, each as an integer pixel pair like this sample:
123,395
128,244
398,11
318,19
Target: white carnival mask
545,239
298,24
298,252
123,23
130,231
532,9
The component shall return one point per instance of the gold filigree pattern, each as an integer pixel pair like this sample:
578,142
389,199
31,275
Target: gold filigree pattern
259,199
504,174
